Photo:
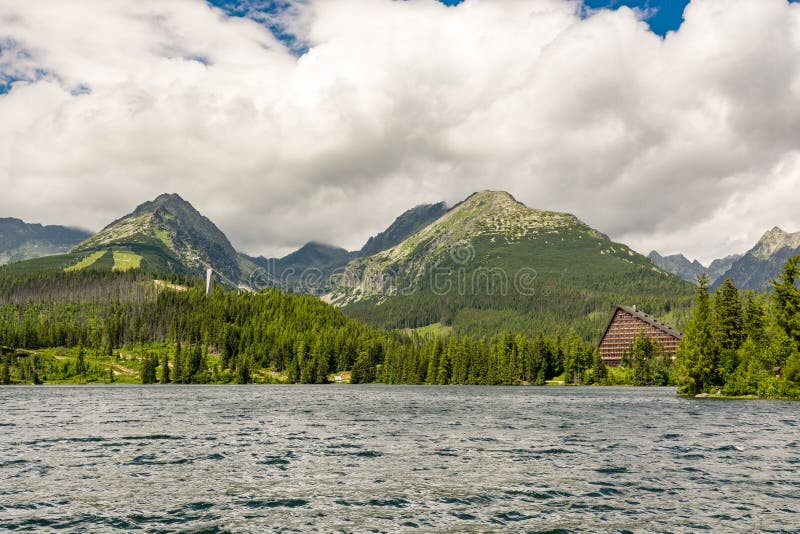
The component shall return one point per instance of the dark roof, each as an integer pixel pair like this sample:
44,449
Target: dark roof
649,319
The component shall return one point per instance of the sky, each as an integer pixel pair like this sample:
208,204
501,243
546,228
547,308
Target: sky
668,125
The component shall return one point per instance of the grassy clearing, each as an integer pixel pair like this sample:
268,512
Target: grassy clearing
88,261
556,381
125,260
431,331
59,365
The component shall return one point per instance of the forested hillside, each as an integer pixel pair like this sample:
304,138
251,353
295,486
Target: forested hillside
104,326
492,264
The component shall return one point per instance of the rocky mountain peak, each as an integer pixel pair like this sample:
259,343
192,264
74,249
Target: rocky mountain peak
774,240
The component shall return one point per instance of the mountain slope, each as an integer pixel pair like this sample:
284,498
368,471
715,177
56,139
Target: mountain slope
406,225
163,235
173,225
491,263
720,266
22,241
305,270
309,268
679,265
764,261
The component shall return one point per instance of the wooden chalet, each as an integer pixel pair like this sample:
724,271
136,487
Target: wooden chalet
625,325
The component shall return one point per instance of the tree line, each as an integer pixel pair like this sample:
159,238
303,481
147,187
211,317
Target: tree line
741,343
178,334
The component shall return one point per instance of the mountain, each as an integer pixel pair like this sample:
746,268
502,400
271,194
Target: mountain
165,234
720,266
679,265
764,261
308,269
305,270
22,241
490,263
406,225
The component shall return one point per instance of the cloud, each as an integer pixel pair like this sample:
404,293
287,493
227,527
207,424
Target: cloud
686,143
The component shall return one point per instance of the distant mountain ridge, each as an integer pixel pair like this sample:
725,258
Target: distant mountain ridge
762,263
407,224
720,266
308,268
752,270
679,265
23,241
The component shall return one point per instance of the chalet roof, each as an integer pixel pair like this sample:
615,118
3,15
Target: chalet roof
649,319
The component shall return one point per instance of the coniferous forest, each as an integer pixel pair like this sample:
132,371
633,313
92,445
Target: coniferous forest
742,343
93,326
103,327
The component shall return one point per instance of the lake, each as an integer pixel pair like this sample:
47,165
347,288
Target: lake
391,458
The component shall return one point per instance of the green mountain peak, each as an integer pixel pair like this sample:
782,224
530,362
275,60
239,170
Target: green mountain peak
491,263
170,228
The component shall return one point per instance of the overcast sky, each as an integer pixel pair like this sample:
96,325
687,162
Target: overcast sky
327,119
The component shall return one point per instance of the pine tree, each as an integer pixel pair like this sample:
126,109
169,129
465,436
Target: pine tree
728,321
755,318
729,330
149,365
194,365
178,366
363,371
80,363
599,369
697,360
659,366
5,378
641,353
165,378
243,371
787,299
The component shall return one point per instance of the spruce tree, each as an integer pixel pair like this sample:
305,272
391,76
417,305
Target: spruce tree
755,318
641,352
149,365
194,365
165,378
599,369
728,327
697,360
5,378
243,371
178,366
728,321
80,363
787,299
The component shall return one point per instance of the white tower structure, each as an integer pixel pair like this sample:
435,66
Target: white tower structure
209,280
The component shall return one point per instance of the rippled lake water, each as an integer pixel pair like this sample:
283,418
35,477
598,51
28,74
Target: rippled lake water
350,458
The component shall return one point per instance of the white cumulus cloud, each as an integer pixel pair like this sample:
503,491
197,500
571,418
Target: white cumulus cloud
687,143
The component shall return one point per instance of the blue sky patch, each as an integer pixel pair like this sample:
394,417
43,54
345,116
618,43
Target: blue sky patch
663,15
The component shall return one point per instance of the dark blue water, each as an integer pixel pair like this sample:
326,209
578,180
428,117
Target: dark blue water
339,458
